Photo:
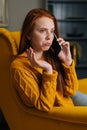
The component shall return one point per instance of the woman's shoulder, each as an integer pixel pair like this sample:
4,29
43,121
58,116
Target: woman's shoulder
20,61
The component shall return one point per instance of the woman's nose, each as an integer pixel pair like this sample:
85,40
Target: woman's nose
48,36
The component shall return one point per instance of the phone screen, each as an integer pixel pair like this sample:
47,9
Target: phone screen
55,45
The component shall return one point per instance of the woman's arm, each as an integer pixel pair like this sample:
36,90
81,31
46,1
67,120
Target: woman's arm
71,80
38,92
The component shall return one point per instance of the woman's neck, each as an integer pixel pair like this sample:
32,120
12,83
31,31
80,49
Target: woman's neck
39,55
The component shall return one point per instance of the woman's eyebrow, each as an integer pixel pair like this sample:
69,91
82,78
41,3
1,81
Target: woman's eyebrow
43,26
47,28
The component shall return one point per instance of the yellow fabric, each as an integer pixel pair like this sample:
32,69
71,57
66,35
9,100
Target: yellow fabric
20,117
38,87
6,35
83,85
16,37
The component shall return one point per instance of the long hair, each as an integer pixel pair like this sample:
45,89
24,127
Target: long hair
27,28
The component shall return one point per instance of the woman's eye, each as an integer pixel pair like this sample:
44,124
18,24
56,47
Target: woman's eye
42,31
52,32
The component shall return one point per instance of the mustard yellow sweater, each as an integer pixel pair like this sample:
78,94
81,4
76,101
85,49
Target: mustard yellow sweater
38,88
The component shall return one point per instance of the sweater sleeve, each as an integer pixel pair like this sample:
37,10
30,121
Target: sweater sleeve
32,92
71,80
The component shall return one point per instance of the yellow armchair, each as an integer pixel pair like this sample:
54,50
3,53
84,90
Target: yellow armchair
20,117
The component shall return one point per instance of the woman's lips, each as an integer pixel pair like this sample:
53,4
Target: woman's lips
47,44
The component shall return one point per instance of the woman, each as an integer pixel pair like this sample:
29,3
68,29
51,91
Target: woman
43,77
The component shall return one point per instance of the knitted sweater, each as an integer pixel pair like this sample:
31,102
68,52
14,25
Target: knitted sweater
38,88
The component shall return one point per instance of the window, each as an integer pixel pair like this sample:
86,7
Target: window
3,13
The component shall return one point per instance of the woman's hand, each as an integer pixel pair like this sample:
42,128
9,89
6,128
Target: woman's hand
65,54
37,62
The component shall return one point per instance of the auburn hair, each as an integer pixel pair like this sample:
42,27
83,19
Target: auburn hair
27,28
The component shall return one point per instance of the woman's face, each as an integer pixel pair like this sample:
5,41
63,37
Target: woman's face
42,36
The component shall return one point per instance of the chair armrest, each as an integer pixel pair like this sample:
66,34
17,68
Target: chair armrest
76,114
83,85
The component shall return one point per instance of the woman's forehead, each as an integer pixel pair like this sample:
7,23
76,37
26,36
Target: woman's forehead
44,22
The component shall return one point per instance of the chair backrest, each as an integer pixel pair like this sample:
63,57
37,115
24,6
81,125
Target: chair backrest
9,44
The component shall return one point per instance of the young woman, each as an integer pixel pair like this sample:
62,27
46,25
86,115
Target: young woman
43,76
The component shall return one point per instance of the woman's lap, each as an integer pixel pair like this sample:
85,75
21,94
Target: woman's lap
80,99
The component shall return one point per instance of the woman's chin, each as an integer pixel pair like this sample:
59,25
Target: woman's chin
46,48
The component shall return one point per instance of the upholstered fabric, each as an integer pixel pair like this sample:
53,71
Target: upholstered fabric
20,117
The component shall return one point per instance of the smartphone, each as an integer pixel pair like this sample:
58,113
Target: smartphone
55,45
